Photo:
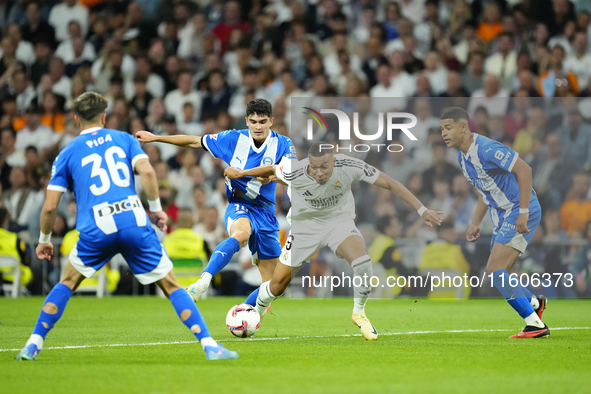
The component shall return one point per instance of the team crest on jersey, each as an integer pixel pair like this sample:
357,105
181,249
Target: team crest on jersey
338,185
267,161
479,170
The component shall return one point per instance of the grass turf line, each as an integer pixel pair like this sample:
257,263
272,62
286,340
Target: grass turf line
438,362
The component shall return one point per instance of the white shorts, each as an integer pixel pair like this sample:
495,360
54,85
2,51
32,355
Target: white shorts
306,238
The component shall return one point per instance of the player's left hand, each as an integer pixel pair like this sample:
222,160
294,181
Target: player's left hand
432,217
264,179
232,173
44,251
160,219
521,225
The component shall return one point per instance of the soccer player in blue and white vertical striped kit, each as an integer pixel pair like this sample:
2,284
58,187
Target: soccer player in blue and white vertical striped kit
98,166
504,182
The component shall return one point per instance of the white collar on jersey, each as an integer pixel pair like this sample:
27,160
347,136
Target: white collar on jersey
472,146
90,130
262,147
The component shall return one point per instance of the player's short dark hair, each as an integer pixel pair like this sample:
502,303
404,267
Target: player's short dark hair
455,113
89,106
259,107
318,150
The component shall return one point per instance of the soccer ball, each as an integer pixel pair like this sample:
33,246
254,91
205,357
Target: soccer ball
243,320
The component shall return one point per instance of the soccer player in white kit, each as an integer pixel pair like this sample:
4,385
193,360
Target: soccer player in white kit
322,214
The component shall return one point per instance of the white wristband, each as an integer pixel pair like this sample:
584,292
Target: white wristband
523,210
155,205
422,210
44,238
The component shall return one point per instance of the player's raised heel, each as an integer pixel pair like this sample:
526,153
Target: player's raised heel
219,353
29,353
197,289
368,331
533,332
543,304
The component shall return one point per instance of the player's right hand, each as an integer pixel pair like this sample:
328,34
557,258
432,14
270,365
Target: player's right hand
145,136
160,219
473,233
232,173
432,217
44,251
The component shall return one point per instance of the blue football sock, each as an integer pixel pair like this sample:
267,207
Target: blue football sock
188,313
252,298
222,255
526,292
59,297
513,294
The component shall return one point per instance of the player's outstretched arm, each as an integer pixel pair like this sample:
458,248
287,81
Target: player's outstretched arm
48,213
429,216
263,171
523,173
186,141
150,186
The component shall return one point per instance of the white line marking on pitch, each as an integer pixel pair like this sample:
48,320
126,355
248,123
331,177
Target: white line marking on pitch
286,338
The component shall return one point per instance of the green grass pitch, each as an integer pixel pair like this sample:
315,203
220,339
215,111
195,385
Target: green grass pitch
304,346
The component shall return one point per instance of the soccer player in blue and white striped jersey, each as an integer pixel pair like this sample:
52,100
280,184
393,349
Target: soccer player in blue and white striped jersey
250,216
504,182
98,166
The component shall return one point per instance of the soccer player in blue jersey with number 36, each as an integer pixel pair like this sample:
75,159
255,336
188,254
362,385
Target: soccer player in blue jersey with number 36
250,216
504,182
98,166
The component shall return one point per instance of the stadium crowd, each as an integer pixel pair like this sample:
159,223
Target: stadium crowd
521,68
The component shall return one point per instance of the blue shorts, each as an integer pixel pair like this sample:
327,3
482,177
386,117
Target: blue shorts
506,232
264,243
139,246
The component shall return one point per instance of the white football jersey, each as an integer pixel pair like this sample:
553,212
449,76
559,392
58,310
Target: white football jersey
331,201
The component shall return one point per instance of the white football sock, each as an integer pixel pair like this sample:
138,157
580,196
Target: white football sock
208,341
205,278
37,340
534,302
362,268
264,298
534,320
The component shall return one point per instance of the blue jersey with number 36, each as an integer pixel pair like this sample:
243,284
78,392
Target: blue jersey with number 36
237,149
487,166
98,166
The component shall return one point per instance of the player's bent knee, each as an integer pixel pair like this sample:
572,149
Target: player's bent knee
240,236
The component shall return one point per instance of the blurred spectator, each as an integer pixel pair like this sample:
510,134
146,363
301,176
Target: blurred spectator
20,200
60,83
525,139
218,96
210,228
491,26
36,29
455,86
43,54
61,14
576,209
581,268
398,165
556,79
554,231
473,75
140,102
440,169
52,112
491,96
231,21
580,61
12,245
188,124
154,82
503,64
175,99
34,133
576,139
10,156
24,50
517,118
24,90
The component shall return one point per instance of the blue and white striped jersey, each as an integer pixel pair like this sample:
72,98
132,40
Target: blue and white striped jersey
98,166
487,166
237,149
